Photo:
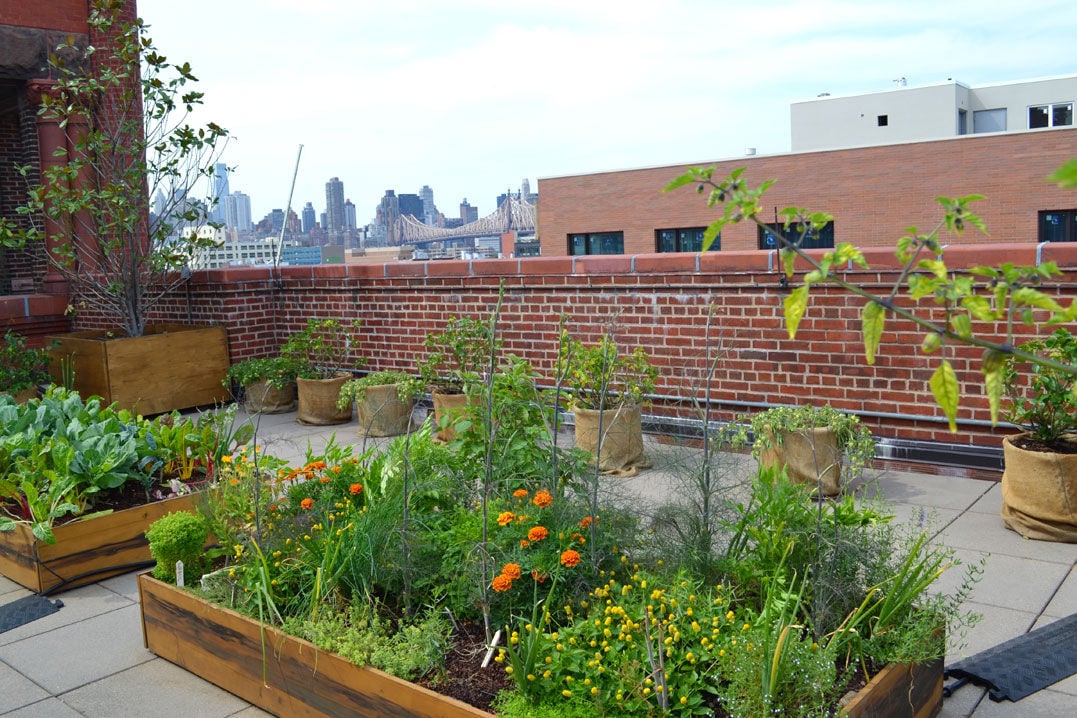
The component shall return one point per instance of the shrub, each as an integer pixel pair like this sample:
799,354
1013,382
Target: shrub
179,536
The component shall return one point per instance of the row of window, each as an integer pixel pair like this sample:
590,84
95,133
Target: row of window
1054,226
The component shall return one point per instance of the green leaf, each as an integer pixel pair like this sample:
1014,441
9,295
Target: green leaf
962,325
994,364
795,305
935,266
945,388
872,319
1066,175
1035,298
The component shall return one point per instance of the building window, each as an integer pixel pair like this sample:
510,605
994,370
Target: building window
883,120
688,239
597,243
1058,225
821,239
989,120
1057,115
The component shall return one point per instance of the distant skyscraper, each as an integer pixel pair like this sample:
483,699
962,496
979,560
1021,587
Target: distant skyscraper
349,215
430,210
468,213
220,191
411,204
334,208
236,209
308,218
277,217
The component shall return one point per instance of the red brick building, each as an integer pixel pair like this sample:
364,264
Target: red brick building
874,193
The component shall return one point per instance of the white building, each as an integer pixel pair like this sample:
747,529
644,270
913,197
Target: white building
233,252
946,109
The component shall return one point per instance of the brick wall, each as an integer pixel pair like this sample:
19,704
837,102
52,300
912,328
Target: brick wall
659,302
874,193
62,15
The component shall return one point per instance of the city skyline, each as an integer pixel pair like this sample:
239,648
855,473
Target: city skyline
470,98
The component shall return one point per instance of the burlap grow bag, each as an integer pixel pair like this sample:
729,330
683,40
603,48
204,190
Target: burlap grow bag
810,456
1039,493
318,401
261,398
448,410
382,413
621,438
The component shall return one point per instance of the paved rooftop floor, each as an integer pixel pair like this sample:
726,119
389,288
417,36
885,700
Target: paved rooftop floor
88,659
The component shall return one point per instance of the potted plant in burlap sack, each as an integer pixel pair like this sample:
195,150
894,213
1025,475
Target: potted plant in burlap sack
321,352
818,446
608,388
268,383
383,400
1039,484
457,358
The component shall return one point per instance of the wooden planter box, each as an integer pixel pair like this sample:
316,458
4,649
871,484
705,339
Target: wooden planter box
284,675
288,676
172,366
100,547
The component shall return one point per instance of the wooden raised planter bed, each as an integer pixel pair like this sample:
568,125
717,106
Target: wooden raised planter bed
85,551
288,676
172,366
284,675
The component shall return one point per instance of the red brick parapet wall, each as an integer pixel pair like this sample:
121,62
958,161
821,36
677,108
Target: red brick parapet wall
659,302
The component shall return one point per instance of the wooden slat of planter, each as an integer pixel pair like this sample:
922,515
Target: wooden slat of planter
281,674
96,544
901,690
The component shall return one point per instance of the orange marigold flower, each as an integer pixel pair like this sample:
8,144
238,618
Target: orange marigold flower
520,493
271,507
512,570
537,533
324,479
524,543
539,576
586,521
307,503
505,518
355,489
501,583
315,466
542,499
570,557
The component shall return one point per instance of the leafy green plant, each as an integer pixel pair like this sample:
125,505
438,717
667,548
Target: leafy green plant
354,390
22,367
322,348
1043,398
602,376
58,454
279,372
178,536
768,428
124,109
457,357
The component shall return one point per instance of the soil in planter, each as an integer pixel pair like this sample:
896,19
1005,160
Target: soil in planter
464,678
1062,446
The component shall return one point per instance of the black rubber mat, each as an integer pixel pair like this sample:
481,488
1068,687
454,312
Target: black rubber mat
1022,665
24,610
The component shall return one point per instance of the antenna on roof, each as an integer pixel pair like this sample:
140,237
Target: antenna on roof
287,210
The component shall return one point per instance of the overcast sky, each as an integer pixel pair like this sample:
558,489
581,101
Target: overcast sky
472,96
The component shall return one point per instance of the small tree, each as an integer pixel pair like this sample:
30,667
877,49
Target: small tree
125,112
